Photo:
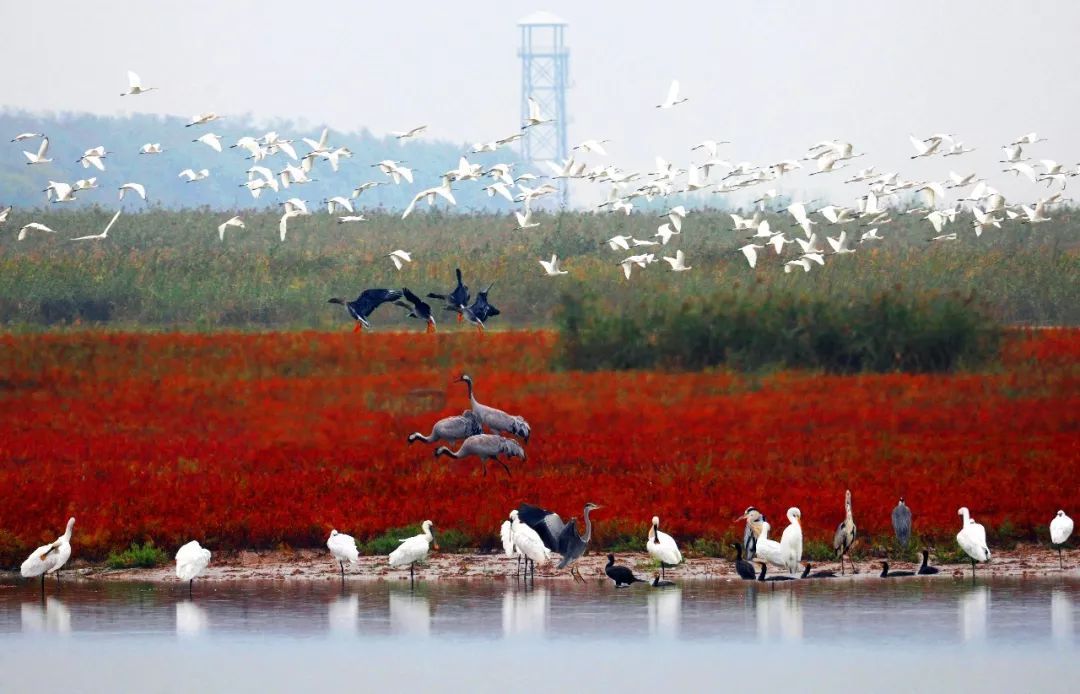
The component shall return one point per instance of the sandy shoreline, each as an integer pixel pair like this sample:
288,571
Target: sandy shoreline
317,565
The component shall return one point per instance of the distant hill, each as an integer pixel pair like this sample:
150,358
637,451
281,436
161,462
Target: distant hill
70,134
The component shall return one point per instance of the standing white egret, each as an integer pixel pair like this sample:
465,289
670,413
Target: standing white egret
191,560
506,534
528,542
1060,530
49,558
343,548
791,540
414,549
768,550
662,547
972,539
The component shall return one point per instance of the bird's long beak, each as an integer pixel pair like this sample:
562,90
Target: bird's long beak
742,517
437,547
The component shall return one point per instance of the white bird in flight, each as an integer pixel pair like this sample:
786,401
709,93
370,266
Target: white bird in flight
429,194
135,85
37,226
26,136
407,134
678,263
210,140
203,119
672,99
399,258
551,267
102,234
42,154
231,222
137,188
151,148
193,176
525,221
535,116
750,251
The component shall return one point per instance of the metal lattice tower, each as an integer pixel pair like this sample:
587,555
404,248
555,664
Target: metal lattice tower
544,71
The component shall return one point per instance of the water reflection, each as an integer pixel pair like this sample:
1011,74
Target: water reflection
525,611
53,617
190,618
974,606
343,615
1061,616
779,614
410,614
665,612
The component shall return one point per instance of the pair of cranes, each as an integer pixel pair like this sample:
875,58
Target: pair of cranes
468,427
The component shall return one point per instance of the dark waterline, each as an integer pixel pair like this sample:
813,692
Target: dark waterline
900,635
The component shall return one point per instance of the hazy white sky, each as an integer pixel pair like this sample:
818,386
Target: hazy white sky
772,76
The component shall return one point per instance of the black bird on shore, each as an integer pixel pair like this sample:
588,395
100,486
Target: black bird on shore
817,574
622,575
365,304
925,569
744,568
885,573
761,577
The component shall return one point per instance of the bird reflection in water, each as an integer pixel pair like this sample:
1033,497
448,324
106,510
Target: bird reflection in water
1061,616
410,614
974,605
779,615
190,619
343,614
525,612
665,612
49,616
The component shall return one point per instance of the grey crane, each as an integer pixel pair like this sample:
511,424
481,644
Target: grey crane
558,536
845,535
451,429
495,419
486,447
901,523
753,518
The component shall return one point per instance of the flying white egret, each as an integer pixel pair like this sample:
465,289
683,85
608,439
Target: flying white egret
619,242
203,119
4,213
535,117
551,268
710,147
351,218
672,99
151,148
102,234
972,539
49,558
283,223
664,232
407,134
414,549
59,192
678,263
192,175
871,235
359,190
429,194
662,547
231,222
399,257
37,226
790,265
42,154
925,148
525,221
343,548
93,157
210,140
85,183
641,261
137,188
1029,139
1060,530
191,560
750,251
837,244
593,146
336,202
26,136
135,85
395,170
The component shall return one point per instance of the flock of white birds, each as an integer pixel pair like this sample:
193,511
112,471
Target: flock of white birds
841,229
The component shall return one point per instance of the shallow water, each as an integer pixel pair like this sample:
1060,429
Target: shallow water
897,635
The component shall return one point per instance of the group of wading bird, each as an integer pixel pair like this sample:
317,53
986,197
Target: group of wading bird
871,210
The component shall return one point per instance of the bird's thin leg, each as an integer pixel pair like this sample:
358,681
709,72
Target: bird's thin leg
853,569
504,466
190,583
412,576
1061,561
841,564
42,586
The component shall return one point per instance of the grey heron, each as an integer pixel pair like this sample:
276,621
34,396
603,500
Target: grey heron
558,536
495,419
901,523
885,573
925,569
753,518
845,535
365,304
622,575
486,447
744,568
451,429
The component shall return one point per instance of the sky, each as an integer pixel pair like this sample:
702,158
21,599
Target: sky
773,77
